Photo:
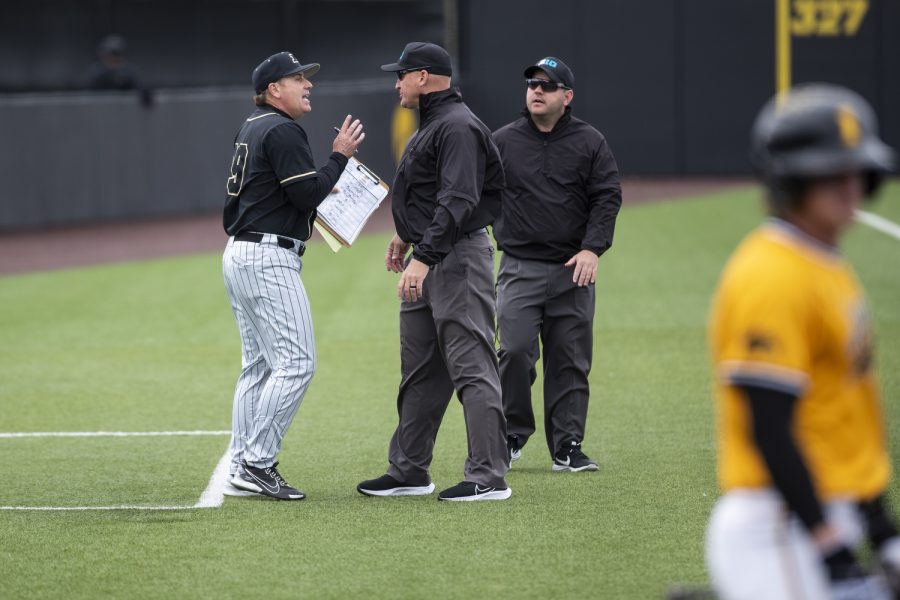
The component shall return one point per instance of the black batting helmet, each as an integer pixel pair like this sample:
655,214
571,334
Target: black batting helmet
818,130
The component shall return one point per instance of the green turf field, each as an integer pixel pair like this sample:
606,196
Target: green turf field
152,346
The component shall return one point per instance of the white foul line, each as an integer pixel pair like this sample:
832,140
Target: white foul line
878,222
77,508
40,434
214,494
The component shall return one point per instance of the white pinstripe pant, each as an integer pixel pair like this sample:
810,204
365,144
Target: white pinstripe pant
278,350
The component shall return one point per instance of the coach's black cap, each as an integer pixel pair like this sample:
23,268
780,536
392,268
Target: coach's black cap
277,66
422,55
555,69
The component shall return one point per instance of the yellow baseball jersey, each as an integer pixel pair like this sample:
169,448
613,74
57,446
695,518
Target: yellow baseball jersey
789,315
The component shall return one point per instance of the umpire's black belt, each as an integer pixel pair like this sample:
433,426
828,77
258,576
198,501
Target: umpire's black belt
283,242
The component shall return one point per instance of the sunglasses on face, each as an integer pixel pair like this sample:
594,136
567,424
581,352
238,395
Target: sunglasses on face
400,74
547,86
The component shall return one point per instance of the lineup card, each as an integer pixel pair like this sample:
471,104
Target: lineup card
359,192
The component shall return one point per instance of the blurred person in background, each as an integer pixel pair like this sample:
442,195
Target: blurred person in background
112,71
802,454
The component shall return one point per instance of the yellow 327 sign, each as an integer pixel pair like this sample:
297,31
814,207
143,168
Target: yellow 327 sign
827,18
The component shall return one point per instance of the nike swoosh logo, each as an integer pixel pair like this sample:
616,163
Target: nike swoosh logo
265,485
564,464
480,490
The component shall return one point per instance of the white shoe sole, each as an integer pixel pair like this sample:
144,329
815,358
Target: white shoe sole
495,495
515,456
561,468
245,486
230,490
254,490
400,491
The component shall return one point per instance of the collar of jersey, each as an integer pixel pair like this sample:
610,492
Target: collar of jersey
276,111
801,238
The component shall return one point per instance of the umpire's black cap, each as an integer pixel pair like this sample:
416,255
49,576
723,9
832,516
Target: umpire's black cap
555,69
422,55
277,66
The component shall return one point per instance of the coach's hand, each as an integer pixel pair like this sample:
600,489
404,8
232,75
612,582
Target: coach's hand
410,287
585,263
349,138
396,252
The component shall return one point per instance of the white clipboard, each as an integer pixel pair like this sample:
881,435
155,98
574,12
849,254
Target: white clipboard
343,214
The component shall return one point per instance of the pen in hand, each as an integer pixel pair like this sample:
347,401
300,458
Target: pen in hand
338,131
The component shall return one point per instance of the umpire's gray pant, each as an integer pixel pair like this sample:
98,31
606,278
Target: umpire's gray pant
538,300
446,343
278,349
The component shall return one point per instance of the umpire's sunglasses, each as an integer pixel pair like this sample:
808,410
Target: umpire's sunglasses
400,74
547,86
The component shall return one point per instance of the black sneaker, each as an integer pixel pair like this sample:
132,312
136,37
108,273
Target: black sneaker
388,486
266,481
466,491
571,458
515,451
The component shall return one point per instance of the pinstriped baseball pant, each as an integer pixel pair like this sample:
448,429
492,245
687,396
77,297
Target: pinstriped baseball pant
278,353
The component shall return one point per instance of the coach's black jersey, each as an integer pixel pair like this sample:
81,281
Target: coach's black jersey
274,186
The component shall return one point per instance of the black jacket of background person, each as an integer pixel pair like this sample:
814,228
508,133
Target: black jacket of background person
274,186
562,190
449,179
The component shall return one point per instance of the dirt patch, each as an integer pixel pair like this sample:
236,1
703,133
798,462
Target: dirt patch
62,248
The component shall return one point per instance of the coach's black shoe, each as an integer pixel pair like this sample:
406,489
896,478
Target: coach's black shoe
266,481
571,458
466,491
515,450
388,486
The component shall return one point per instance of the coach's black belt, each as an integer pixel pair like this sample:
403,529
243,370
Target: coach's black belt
283,242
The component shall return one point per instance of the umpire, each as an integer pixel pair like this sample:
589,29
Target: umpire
446,191
272,194
559,212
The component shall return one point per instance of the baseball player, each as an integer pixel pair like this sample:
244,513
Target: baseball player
272,194
802,459
446,191
558,215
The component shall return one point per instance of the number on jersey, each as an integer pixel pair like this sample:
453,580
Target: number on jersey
238,164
